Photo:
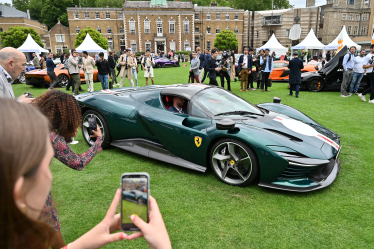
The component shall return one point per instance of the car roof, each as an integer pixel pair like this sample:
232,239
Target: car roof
186,91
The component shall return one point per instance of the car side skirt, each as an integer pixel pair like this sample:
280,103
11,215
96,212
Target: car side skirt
156,151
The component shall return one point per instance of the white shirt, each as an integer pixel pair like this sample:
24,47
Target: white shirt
7,75
245,60
369,59
360,61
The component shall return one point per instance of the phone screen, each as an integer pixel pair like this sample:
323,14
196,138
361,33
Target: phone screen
134,199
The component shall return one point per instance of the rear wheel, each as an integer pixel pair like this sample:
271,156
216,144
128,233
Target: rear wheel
102,124
158,65
63,80
22,78
177,64
141,201
315,85
233,162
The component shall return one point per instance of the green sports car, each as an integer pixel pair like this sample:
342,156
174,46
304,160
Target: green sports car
241,142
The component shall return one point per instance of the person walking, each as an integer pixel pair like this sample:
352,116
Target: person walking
348,66
103,69
266,63
232,67
295,65
74,70
225,72
147,64
51,71
35,61
368,65
112,65
258,68
126,63
358,72
212,68
88,68
201,57
135,69
194,68
245,62
208,56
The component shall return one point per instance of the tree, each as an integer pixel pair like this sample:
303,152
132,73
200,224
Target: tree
226,40
260,5
6,4
54,10
21,5
35,7
109,3
95,35
16,36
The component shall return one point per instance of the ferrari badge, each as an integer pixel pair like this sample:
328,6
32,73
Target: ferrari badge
198,141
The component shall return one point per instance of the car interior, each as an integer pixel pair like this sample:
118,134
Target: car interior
167,101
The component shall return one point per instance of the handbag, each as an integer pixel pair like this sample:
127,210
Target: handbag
270,82
118,66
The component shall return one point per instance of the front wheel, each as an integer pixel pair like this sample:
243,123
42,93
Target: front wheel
22,78
315,85
233,162
63,80
177,64
102,124
158,65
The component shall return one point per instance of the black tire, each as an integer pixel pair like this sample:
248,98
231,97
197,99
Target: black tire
141,201
158,65
22,78
177,64
241,165
103,126
315,85
63,80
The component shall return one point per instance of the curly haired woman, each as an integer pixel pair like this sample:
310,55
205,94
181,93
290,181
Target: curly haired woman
65,117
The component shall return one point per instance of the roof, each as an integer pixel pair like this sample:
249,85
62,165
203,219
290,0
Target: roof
11,12
274,46
214,8
147,4
89,45
346,41
31,46
310,42
186,91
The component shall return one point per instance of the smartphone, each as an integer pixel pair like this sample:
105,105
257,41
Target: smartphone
134,199
92,124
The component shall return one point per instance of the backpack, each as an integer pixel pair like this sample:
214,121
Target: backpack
119,66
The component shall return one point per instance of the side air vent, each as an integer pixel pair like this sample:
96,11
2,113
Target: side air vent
290,137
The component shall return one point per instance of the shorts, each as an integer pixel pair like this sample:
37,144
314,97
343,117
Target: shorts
148,75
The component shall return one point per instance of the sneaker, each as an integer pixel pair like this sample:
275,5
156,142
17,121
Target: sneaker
75,94
371,101
267,90
297,96
50,89
290,94
362,97
344,96
253,89
356,93
91,90
350,94
262,91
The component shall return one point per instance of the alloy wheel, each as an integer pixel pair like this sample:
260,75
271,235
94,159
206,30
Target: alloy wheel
85,127
63,80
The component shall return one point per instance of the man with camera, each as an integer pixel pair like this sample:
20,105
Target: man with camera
266,63
201,57
225,70
245,64
126,63
212,68
147,64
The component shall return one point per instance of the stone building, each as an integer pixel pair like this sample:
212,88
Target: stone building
60,38
10,17
173,25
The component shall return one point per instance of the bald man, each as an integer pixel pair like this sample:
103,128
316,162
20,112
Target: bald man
12,64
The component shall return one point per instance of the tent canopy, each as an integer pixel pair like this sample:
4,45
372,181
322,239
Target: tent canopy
310,42
346,41
89,45
274,46
31,46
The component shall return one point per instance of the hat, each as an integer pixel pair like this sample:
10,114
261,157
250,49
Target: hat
295,53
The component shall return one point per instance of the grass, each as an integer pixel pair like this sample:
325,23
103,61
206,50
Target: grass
129,208
202,212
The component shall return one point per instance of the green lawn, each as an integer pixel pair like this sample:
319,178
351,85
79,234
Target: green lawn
202,212
129,208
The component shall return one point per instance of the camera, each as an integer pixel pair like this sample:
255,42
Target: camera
224,55
29,95
148,69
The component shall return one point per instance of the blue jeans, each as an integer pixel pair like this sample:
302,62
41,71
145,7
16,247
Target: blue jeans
355,83
104,81
135,75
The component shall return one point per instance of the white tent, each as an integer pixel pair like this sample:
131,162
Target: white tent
346,41
31,46
274,46
310,42
89,45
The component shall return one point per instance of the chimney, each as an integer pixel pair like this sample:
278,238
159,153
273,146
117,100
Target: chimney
58,21
232,6
213,4
28,14
310,3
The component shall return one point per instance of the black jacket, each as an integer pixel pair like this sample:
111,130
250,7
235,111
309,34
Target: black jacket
202,60
103,67
211,66
295,65
112,64
249,62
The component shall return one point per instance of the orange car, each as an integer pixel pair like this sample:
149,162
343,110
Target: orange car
281,71
40,77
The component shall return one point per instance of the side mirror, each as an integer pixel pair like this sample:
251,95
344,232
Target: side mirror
276,100
225,124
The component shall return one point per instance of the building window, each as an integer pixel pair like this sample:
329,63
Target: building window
365,17
357,17
236,16
363,30
98,29
227,28
147,26
218,16
147,46
350,17
132,26
218,30
208,16
109,30
76,15
197,30
366,1
1,29
86,15
355,31
97,15
58,50
208,30
257,34
186,45
236,31
344,17
77,30
227,16
171,26
172,45
208,45
349,30
287,33
269,20
122,37
197,16
121,30
159,27
186,26
350,1
120,15
197,38
107,15
110,43
133,47
60,38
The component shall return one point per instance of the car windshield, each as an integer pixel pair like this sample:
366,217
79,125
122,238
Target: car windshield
219,101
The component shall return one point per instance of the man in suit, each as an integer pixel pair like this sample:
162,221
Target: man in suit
88,68
112,65
212,68
126,63
178,105
207,56
12,64
194,68
225,70
201,57
245,64
266,63
295,65
35,61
